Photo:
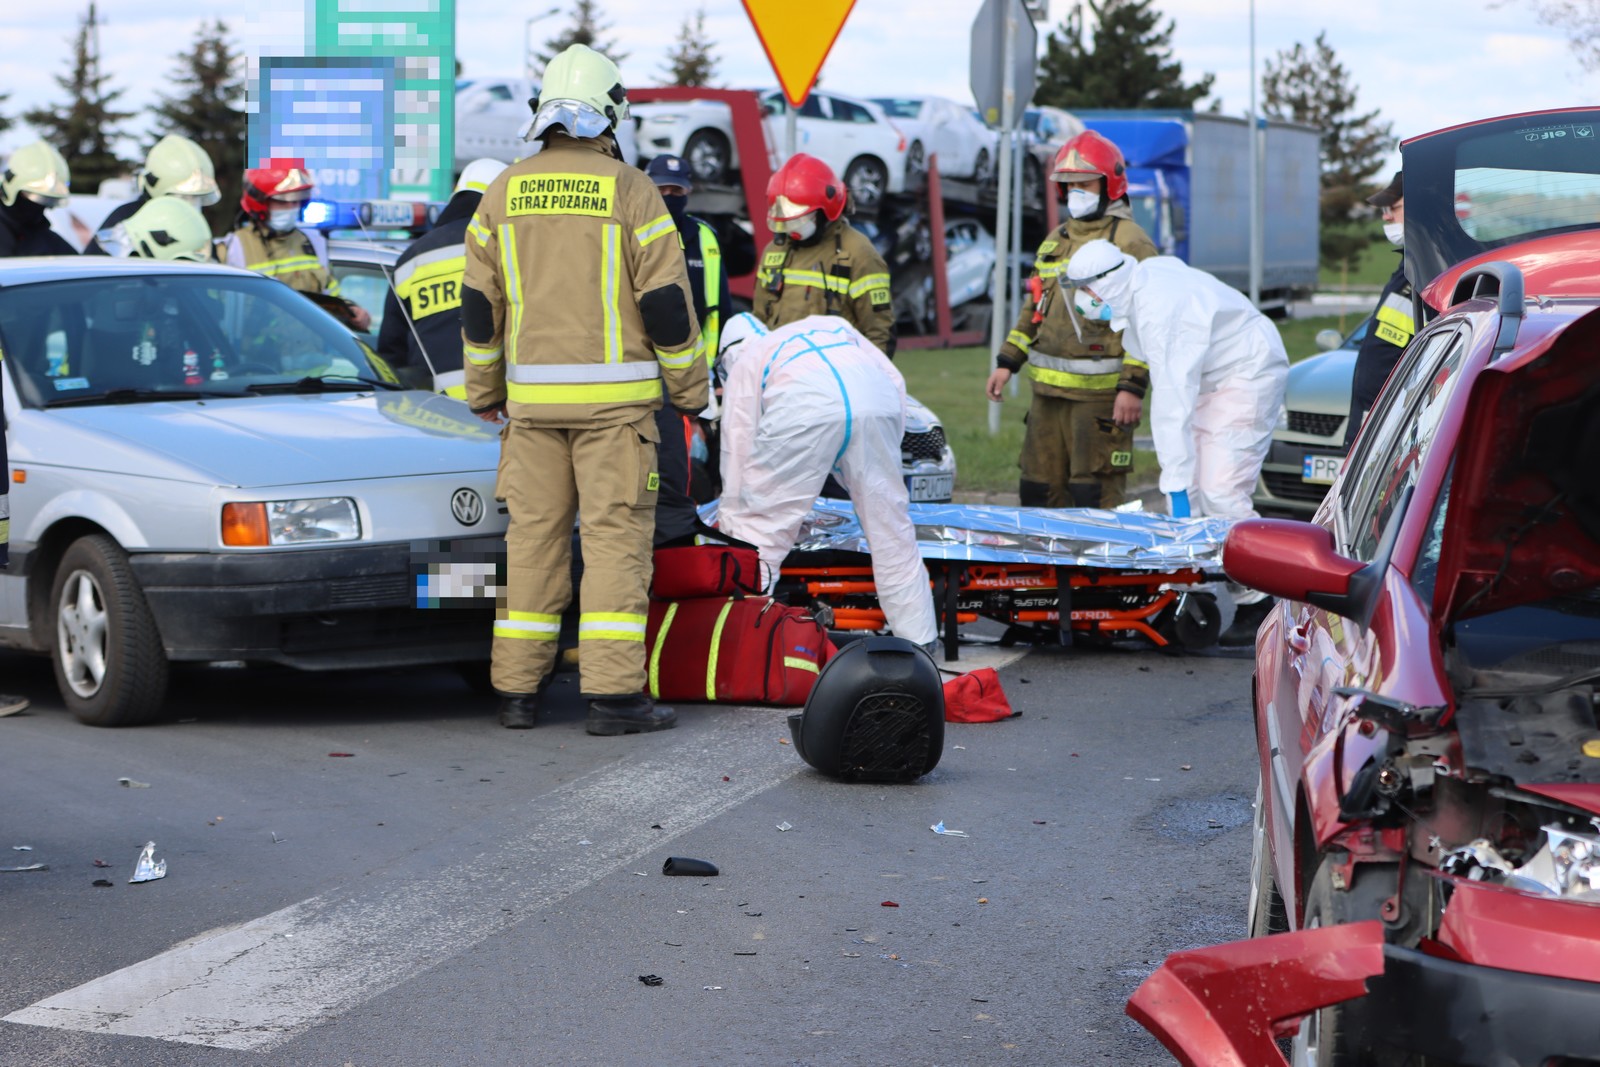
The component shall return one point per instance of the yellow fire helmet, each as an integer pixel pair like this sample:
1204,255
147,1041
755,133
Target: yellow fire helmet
37,172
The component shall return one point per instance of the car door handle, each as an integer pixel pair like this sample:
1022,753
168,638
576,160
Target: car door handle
1298,638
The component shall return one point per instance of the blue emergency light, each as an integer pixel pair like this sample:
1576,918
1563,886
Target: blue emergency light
412,215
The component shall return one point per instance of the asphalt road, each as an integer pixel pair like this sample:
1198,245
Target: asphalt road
454,893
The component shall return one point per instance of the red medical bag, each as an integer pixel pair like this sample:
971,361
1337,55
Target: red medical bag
734,650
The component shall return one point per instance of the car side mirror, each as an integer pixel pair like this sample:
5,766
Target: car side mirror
1329,339
1295,561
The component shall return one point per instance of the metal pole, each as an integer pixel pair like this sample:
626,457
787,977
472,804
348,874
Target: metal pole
1255,172
791,131
1002,214
1019,196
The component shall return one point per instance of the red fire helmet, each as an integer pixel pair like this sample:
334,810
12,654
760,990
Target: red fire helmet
1090,155
808,184
275,179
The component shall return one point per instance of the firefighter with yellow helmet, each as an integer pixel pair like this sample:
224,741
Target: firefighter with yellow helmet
818,264
1088,393
175,167
166,228
576,310
35,179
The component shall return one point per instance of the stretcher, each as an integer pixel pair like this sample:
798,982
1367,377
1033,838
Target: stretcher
1162,608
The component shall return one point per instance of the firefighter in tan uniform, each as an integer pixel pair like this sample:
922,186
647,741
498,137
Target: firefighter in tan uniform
818,264
575,310
1087,393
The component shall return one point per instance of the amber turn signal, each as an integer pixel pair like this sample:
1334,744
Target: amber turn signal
245,525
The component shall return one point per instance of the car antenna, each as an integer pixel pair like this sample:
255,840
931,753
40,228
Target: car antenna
388,278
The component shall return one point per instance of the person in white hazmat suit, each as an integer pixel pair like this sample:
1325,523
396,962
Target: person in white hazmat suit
806,400
1217,376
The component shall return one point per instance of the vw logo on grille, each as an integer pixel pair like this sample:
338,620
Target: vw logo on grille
467,506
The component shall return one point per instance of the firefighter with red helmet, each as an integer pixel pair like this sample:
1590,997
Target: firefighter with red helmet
1088,393
817,263
268,238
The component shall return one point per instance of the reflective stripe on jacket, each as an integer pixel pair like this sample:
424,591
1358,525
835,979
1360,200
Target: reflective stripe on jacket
838,273
297,259
564,246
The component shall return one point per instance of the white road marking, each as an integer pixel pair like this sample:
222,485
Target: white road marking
255,986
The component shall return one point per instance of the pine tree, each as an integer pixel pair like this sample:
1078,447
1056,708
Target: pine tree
5,122
1125,62
1314,88
84,129
209,77
587,28
691,63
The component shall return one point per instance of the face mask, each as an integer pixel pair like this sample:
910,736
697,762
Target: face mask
1081,203
803,229
1090,307
282,220
1395,232
678,203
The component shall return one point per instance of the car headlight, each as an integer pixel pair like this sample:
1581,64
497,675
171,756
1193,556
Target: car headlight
258,524
1566,865
666,120
1283,417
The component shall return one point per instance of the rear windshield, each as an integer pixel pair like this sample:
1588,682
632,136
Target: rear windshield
899,107
1495,183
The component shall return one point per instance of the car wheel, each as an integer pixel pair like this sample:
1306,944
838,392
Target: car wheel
1199,624
1268,914
983,169
868,180
109,662
708,155
916,166
1337,1036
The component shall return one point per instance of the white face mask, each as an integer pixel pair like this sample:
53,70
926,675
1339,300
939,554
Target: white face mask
1091,307
282,220
803,228
1395,232
1081,203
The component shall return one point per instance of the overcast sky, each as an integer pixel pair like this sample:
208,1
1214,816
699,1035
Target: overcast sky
1424,63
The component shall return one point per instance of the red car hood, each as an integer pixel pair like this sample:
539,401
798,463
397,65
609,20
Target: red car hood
1524,515
1566,264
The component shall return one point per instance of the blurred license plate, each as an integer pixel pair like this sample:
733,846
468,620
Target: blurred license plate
930,487
1321,470
388,214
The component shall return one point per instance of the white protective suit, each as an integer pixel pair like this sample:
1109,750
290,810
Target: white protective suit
801,402
1217,372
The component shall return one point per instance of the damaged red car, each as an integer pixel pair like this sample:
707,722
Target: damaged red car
1426,868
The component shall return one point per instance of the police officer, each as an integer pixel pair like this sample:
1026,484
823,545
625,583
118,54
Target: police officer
175,167
576,307
676,517
36,178
1088,393
422,312
1393,323
818,264
268,238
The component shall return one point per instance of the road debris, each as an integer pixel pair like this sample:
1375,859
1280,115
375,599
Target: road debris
888,904
101,863
103,883
710,988
21,848
684,867
938,828
651,979
1186,767
782,826
744,953
146,868
129,783
340,755
30,867
983,900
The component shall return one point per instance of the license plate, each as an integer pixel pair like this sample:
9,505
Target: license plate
1321,470
930,487
448,584
391,214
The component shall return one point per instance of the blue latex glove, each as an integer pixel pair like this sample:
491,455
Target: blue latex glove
1178,505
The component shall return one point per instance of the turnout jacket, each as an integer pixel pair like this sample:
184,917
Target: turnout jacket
837,272
298,259
577,303
1060,361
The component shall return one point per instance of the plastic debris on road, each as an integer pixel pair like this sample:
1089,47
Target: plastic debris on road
938,828
341,755
710,988
684,867
888,904
21,848
147,868
129,783
30,867
103,883
782,826
651,979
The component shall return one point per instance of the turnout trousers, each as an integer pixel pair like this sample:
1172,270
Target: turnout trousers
605,478
1074,455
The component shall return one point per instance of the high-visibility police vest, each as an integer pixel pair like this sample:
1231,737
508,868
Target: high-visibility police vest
711,256
1393,321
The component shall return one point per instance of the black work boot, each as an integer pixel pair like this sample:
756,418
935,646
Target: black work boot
630,713
1246,621
519,712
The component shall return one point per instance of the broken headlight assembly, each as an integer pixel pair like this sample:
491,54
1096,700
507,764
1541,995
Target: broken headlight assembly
1566,865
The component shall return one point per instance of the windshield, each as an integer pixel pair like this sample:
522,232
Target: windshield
78,341
899,107
1493,183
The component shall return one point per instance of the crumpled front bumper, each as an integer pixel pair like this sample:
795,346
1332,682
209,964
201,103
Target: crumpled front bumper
1224,1006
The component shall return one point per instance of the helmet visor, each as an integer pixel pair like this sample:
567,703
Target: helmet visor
784,211
577,118
200,199
42,199
116,241
198,188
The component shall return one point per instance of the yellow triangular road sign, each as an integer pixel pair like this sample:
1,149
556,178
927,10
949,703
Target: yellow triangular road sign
797,36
